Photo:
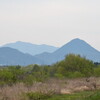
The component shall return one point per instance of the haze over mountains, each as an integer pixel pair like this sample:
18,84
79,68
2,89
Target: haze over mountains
30,48
75,46
10,56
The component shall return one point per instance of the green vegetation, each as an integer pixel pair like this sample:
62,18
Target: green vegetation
86,95
38,96
95,96
97,71
73,66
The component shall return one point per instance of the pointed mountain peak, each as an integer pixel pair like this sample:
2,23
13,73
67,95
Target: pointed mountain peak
18,42
77,40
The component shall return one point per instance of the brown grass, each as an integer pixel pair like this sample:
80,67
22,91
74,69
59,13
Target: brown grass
64,86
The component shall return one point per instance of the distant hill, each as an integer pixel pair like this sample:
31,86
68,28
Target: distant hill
75,46
31,49
9,56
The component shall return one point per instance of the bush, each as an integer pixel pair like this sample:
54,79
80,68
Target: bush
6,77
37,96
97,71
74,74
75,65
95,96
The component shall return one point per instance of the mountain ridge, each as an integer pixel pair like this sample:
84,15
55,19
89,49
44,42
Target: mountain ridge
30,48
9,56
75,46
12,56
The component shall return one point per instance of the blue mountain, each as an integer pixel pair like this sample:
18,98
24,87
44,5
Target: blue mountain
76,46
31,49
9,56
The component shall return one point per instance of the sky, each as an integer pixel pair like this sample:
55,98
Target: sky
52,22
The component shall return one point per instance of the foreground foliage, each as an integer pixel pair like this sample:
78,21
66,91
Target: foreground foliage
45,82
86,95
52,89
73,66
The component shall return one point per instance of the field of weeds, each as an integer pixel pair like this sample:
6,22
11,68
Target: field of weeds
53,88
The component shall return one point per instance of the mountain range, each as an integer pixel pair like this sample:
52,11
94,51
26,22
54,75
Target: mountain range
22,53
9,56
76,46
30,48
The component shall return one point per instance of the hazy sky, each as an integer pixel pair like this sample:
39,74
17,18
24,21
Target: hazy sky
53,22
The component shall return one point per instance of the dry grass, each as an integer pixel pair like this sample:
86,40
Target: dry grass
64,86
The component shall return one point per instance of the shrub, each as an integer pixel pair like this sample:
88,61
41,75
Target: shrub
37,96
95,96
74,74
97,71
75,64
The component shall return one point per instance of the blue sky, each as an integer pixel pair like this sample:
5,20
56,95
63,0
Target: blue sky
53,22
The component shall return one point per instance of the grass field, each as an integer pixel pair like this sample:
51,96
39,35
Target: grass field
53,89
86,95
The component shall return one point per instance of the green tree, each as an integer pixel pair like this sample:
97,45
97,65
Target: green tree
75,63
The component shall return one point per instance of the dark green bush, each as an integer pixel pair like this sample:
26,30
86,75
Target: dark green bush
74,64
37,96
97,71
95,96
74,75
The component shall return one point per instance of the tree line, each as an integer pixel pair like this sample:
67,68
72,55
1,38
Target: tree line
73,66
